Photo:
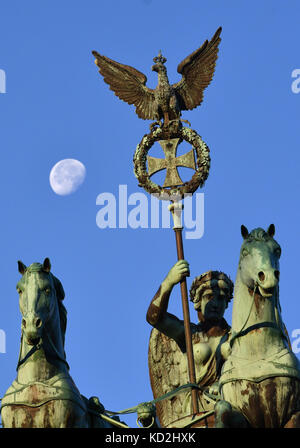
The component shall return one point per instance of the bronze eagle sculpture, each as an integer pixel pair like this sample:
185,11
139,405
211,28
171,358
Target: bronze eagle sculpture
165,101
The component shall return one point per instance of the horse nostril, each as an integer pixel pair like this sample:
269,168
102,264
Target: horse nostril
261,276
24,323
38,323
277,274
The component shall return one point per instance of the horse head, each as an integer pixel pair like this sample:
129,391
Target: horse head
44,394
39,294
256,296
259,261
258,354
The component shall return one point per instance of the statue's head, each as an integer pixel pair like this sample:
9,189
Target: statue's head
211,292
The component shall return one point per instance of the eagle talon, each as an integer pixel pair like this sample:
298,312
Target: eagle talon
185,121
153,126
179,122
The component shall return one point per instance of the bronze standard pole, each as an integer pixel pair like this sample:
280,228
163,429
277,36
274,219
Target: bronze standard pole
187,328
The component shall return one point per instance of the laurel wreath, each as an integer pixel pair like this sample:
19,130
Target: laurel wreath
202,162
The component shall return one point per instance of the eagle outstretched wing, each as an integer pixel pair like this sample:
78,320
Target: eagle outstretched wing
197,71
129,85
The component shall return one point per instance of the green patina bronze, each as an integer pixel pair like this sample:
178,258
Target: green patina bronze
164,105
44,394
167,357
260,380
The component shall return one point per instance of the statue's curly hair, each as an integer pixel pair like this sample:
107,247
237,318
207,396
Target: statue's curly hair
202,282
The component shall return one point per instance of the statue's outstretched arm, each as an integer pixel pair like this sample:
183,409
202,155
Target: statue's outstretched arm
157,314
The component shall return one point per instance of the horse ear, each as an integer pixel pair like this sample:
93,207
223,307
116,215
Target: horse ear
46,265
244,231
271,230
22,268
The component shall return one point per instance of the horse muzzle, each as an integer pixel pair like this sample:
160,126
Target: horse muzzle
32,329
32,339
267,282
266,292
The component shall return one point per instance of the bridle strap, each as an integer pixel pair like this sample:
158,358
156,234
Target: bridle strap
266,324
37,347
31,352
255,327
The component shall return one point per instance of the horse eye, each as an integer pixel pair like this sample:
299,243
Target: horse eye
47,291
277,252
245,252
19,291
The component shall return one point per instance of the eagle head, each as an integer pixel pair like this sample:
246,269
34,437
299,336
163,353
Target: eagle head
159,63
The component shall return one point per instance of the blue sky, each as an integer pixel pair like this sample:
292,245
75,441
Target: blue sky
57,106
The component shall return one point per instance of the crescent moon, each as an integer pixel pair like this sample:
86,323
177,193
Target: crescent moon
66,176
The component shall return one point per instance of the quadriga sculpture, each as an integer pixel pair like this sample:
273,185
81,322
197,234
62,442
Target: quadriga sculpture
260,380
44,394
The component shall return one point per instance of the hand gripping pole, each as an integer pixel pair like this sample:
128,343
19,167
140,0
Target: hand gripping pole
176,210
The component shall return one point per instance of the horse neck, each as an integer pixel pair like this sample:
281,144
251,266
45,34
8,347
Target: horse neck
247,312
47,361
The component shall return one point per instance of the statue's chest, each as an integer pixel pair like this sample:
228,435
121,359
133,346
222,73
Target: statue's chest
205,349
163,94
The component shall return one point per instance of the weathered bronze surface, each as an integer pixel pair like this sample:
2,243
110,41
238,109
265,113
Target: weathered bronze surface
167,357
173,186
171,162
260,380
166,101
44,394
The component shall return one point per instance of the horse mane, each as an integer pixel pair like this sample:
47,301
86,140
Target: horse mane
258,234
60,295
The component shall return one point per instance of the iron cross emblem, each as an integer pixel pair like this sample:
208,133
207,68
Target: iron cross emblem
171,162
